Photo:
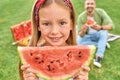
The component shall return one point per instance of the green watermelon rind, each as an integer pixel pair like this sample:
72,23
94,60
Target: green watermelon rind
42,76
66,77
92,53
19,48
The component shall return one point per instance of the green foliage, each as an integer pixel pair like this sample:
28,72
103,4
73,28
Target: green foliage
15,11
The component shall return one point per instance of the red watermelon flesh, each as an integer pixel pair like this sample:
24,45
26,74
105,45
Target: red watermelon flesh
56,63
90,22
27,29
18,32
21,31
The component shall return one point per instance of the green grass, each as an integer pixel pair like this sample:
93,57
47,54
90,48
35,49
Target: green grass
15,11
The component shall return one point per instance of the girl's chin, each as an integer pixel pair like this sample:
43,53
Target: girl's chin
56,44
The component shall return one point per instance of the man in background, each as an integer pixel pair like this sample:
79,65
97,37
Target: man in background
93,25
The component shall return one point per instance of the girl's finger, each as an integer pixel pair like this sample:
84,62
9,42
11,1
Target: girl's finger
25,66
85,68
29,75
33,71
83,73
82,78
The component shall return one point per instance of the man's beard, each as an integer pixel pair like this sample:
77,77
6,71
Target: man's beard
90,10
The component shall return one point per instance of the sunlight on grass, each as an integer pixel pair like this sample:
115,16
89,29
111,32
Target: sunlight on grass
16,11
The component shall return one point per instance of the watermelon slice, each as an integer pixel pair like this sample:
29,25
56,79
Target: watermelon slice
90,22
22,32
56,63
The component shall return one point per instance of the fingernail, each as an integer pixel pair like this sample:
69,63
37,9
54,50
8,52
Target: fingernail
28,65
82,66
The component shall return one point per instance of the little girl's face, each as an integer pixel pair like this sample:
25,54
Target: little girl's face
55,24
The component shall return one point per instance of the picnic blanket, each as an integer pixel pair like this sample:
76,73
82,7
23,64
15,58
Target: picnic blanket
112,37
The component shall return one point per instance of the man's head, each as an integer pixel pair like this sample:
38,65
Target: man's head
90,6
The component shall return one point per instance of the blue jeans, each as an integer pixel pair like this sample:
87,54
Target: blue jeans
99,39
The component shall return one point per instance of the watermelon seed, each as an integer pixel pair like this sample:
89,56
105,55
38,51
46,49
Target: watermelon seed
79,56
58,61
79,52
36,58
31,54
41,62
49,68
68,55
52,62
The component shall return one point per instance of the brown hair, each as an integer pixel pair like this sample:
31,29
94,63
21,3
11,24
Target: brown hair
36,35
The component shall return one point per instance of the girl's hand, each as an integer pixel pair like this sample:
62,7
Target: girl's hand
28,74
82,74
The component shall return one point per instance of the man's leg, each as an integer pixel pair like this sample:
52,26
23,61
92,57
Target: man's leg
102,43
101,46
86,40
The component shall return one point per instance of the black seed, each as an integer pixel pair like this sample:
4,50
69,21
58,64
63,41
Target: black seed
79,52
52,62
31,54
58,61
36,58
68,55
79,56
42,61
39,62
49,68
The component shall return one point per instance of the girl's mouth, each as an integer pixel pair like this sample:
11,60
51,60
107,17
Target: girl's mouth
55,39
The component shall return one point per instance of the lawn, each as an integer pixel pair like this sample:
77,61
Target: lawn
14,11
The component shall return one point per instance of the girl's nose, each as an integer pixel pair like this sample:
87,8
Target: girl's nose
55,29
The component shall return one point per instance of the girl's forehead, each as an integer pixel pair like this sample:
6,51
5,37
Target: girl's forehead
54,9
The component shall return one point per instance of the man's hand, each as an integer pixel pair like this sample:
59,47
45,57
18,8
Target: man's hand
90,22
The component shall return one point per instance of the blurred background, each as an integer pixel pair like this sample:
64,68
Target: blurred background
13,12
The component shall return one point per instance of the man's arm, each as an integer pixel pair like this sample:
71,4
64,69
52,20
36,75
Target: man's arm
106,21
81,27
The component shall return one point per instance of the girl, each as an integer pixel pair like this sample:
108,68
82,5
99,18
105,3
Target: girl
53,24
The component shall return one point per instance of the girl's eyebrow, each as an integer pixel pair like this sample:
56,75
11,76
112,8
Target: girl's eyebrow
49,20
63,19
